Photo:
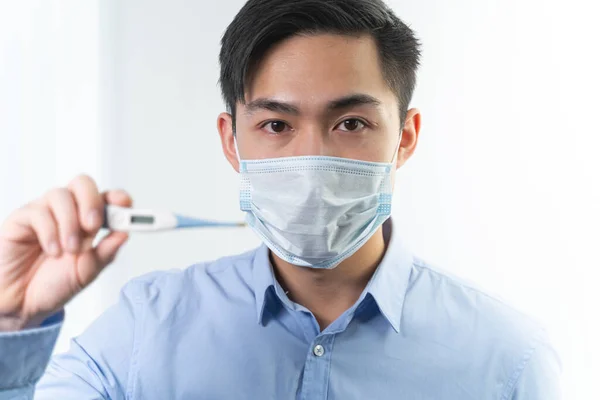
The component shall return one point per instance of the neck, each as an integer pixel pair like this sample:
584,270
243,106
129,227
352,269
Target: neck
327,293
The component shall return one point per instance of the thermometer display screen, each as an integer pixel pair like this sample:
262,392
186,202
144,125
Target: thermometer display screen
142,219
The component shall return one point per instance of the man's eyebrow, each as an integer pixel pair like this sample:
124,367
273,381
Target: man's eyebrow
271,105
352,100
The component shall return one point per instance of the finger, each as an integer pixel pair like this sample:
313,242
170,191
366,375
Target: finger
41,221
62,206
91,263
118,197
89,202
108,247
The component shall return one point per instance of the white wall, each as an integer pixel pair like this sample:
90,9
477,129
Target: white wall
503,189
50,111
48,95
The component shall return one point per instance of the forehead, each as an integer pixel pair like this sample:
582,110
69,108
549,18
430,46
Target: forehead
314,69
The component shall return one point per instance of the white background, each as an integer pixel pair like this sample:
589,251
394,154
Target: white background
503,189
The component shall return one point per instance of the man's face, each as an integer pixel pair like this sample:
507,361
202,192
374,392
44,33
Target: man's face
320,95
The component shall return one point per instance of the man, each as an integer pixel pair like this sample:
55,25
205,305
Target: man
332,306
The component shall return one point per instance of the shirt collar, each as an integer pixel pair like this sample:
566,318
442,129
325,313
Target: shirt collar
389,283
387,286
264,279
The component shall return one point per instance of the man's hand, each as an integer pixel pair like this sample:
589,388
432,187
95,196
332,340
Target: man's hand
46,253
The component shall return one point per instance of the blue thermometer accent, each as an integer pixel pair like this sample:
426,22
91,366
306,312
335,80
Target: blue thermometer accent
188,222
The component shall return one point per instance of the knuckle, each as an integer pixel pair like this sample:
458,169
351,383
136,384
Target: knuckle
85,191
37,211
122,194
83,181
24,209
57,194
125,193
42,222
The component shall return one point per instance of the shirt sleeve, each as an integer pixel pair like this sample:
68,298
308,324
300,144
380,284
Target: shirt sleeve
96,366
539,375
98,362
24,356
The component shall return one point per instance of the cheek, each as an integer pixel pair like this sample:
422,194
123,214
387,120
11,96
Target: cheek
254,144
377,144
377,147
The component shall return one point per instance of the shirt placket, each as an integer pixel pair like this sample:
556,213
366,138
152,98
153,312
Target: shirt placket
315,380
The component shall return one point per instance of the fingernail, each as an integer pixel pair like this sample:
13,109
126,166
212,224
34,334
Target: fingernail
94,219
53,248
73,243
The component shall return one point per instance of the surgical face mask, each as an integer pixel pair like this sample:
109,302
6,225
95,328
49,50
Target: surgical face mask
315,211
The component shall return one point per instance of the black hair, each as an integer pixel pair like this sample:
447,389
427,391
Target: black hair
260,24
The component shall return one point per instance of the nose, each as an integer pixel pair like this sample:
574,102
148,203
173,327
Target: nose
312,141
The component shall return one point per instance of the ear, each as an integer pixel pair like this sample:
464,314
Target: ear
225,127
410,136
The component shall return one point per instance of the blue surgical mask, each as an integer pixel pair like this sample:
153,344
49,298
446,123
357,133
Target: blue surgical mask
315,211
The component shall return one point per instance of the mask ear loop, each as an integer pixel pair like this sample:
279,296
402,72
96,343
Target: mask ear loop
397,148
237,151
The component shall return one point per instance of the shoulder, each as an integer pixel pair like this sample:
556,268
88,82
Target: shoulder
466,302
167,288
488,332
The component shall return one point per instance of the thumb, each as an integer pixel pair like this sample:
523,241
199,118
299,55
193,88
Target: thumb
108,247
91,263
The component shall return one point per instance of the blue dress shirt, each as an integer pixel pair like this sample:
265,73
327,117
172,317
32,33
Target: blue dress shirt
226,330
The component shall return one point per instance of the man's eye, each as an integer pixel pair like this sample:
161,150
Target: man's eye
351,125
275,127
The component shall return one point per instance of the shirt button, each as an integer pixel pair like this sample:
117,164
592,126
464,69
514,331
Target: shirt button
318,350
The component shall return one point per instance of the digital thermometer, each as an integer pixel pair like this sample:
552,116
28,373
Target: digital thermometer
142,220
